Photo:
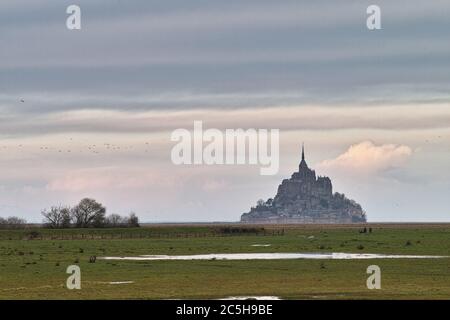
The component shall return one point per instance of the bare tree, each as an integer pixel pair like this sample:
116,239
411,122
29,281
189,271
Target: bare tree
57,217
88,213
133,220
115,220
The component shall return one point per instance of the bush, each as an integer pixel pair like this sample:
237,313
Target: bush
32,235
237,230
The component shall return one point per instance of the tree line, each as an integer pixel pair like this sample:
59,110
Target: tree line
12,223
88,213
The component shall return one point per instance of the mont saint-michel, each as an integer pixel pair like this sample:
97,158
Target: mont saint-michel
305,198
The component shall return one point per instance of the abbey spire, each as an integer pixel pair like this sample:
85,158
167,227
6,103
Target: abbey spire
303,164
303,151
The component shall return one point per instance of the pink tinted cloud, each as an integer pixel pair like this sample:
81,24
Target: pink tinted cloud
368,158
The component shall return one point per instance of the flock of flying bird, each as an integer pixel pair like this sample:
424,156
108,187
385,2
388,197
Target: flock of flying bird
111,147
91,148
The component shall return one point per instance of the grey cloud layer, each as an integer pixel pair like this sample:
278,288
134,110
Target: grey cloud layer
319,50
424,117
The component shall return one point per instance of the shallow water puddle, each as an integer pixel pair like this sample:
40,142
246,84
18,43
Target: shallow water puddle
120,282
274,256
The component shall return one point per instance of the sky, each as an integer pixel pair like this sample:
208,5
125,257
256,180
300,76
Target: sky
90,112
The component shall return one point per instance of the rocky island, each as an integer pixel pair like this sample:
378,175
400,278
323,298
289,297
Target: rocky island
305,198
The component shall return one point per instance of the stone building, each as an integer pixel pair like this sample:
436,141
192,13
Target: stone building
305,198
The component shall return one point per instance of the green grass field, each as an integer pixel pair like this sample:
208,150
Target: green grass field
36,269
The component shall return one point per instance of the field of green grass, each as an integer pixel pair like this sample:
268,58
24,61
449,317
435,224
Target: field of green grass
34,267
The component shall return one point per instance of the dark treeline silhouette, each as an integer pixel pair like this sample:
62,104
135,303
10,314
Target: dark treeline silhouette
88,213
237,230
12,223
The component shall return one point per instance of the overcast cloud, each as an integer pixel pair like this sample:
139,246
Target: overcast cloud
139,69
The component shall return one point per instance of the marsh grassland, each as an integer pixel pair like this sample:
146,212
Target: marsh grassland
33,262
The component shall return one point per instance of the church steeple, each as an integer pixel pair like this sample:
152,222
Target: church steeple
303,152
303,164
